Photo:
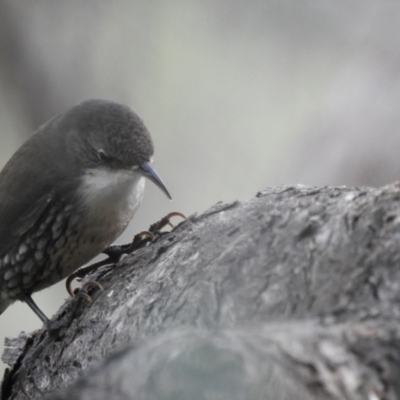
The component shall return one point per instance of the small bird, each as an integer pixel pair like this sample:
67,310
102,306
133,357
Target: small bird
68,193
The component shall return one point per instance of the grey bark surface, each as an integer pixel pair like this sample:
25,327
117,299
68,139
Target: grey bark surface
291,295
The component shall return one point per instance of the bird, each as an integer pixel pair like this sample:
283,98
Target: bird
67,193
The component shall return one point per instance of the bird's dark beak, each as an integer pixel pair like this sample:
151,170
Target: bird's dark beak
149,172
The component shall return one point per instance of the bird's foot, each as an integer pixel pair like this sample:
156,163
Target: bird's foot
155,229
82,292
142,239
80,273
116,251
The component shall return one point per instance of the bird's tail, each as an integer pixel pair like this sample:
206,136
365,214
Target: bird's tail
4,304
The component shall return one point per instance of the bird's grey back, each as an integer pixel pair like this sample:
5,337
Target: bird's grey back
22,195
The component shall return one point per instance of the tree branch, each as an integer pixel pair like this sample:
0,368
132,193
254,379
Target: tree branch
293,294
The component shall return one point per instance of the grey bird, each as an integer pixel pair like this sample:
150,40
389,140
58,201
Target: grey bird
68,193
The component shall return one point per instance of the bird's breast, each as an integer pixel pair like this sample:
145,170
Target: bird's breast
110,199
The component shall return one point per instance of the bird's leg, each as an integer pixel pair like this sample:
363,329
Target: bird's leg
34,307
52,326
115,252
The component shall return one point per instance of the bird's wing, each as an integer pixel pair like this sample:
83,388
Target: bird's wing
25,194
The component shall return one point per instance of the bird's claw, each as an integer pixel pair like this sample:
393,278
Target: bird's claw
80,294
143,238
92,284
82,272
82,291
163,222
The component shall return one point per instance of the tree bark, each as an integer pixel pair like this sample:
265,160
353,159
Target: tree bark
291,295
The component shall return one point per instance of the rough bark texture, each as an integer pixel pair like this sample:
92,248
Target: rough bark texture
291,295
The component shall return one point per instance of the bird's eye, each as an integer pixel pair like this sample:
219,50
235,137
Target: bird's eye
104,157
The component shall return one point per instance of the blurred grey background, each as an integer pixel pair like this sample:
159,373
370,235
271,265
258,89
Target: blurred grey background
238,95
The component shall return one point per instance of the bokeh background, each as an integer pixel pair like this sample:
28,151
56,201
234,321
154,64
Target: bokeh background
239,95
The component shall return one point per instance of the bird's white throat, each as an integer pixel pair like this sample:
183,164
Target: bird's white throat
117,192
